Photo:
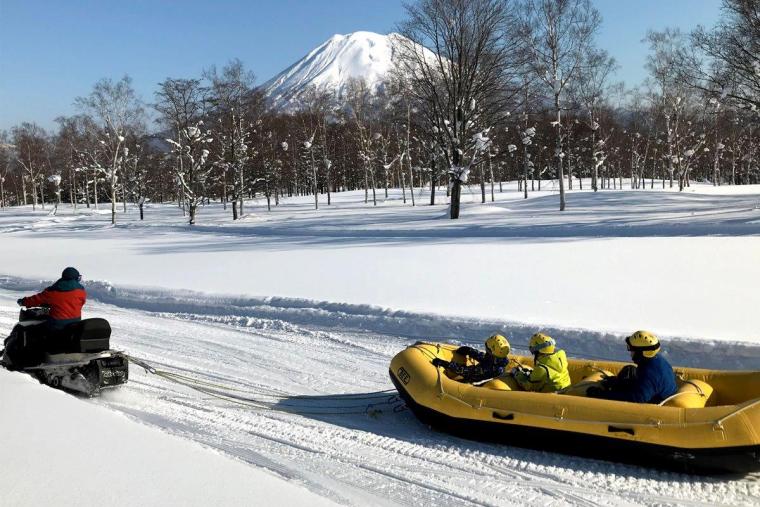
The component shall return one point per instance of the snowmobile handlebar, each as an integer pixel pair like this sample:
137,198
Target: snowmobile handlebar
33,313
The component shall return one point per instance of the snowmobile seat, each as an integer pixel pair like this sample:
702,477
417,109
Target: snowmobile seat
88,335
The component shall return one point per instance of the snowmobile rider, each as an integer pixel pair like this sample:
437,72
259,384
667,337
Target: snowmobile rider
490,364
652,380
66,297
549,373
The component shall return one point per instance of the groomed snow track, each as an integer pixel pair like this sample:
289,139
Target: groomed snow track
296,356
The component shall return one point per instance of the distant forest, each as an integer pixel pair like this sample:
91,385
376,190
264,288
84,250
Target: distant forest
484,91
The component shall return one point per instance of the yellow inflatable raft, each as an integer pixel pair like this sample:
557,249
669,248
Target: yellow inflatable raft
711,425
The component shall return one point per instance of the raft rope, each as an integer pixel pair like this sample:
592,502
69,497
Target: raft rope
716,424
700,392
359,403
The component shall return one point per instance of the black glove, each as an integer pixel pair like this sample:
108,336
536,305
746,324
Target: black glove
628,373
438,362
466,351
609,382
20,302
595,392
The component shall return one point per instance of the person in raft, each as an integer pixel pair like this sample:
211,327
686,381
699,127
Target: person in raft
66,297
490,364
549,373
652,380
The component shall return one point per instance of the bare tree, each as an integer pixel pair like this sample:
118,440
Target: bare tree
119,112
727,57
232,95
460,59
361,104
589,91
557,34
667,91
30,142
194,168
5,163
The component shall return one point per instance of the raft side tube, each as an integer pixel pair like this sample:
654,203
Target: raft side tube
740,460
717,439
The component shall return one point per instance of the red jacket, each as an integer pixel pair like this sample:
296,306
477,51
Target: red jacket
64,304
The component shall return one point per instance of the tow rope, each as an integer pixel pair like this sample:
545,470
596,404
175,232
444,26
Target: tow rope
371,403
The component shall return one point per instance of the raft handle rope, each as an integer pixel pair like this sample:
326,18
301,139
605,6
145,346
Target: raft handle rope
717,424
700,392
279,403
720,421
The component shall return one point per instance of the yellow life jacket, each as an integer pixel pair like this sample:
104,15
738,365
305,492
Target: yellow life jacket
549,374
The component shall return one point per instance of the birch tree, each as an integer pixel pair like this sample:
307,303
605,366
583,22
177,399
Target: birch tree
192,149
231,94
556,35
589,91
29,140
119,113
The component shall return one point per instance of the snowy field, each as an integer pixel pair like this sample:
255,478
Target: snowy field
57,450
285,310
682,264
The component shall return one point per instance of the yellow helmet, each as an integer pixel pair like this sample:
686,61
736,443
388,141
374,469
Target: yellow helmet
645,342
542,343
498,346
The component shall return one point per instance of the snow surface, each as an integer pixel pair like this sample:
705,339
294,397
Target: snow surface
285,308
363,450
683,264
59,450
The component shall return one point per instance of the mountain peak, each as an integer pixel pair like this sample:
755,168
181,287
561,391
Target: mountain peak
332,65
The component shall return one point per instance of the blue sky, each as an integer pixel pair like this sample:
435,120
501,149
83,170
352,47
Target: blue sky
53,51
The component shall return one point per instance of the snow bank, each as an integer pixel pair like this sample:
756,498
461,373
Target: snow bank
60,450
681,264
252,312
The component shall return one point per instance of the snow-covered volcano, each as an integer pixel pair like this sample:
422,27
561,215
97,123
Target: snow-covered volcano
332,65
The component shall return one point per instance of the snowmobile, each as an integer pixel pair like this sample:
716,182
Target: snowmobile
76,358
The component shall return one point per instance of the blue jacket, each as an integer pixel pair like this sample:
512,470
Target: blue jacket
654,382
488,367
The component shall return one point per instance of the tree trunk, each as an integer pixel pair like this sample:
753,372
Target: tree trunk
595,173
482,184
402,177
525,171
242,189
432,181
314,179
560,168
374,194
42,193
456,188
670,149
224,190
569,163
366,184
23,188
113,201
411,174
490,170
